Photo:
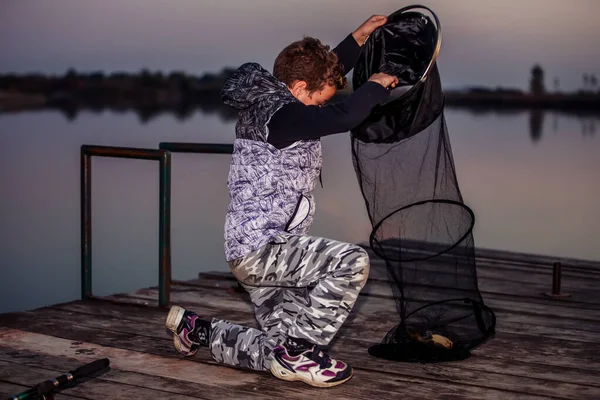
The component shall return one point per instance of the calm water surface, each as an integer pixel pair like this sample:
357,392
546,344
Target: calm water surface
533,183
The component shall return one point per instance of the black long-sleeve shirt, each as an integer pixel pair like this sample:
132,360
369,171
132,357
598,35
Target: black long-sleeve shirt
296,121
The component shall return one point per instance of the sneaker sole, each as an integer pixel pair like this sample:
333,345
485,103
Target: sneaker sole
281,373
174,318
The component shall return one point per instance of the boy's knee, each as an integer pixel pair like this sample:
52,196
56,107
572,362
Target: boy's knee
361,266
366,269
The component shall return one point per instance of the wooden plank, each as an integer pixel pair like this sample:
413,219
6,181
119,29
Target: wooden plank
546,324
490,274
497,280
142,314
557,354
357,354
489,289
546,308
210,380
384,309
10,389
504,269
506,347
522,305
535,259
545,269
93,388
513,258
220,280
366,384
536,315
231,301
570,277
507,375
487,275
149,378
509,323
227,299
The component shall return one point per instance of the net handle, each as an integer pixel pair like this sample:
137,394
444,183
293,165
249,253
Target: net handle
438,44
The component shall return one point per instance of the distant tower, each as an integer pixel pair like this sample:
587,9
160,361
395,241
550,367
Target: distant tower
556,85
537,80
593,82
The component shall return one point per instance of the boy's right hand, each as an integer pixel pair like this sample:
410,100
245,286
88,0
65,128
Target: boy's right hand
384,80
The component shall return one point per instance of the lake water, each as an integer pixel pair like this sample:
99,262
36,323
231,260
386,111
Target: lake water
533,182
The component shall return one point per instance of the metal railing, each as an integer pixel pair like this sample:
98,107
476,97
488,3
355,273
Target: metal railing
206,148
163,155
164,236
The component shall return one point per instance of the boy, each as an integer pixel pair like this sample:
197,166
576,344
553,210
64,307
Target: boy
302,287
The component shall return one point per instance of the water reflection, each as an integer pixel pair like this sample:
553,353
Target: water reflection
211,105
208,105
588,126
537,119
536,124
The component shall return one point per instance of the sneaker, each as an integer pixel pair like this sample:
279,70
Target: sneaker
312,367
189,331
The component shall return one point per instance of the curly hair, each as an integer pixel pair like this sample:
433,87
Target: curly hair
311,61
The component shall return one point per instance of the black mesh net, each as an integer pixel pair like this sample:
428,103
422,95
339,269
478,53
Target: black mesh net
422,230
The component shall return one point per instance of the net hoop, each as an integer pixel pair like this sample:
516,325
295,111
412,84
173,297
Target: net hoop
376,246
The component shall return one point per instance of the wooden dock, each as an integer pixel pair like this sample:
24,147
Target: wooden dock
544,347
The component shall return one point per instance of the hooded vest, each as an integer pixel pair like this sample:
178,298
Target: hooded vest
270,189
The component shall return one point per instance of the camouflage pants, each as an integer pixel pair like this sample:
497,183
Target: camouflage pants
301,286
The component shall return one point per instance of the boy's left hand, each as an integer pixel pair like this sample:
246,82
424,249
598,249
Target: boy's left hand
362,32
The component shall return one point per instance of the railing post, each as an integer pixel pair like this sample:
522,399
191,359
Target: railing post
556,282
86,223
164,240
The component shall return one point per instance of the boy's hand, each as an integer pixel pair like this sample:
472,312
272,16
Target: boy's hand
384,80
362,33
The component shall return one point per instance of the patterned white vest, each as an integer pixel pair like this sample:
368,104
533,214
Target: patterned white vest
270,189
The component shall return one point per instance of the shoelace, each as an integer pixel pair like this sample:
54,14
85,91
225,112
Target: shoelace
320,357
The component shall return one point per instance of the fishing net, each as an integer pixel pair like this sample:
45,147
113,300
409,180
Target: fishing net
422,230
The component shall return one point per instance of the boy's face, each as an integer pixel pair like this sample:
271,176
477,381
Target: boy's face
320,97
316,98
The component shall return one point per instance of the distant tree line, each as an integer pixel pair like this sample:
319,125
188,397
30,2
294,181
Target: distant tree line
151,93
146,93
117,83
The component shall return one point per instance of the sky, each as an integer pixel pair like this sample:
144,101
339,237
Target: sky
484,42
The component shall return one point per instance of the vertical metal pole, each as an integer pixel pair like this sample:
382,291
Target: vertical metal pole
556,275
86,224
164,240
556,282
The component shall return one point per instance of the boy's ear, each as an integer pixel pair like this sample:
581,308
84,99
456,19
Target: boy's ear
298,87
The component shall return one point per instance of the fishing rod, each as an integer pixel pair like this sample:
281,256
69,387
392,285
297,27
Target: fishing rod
45,390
